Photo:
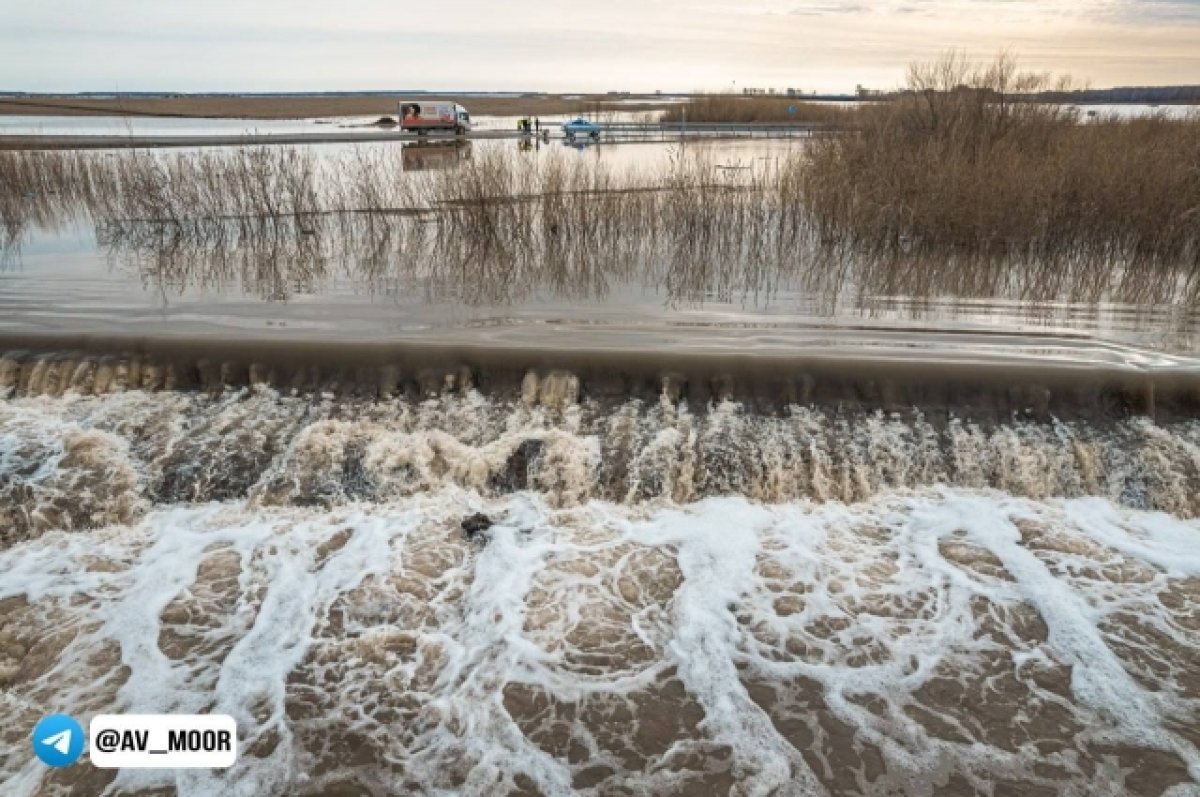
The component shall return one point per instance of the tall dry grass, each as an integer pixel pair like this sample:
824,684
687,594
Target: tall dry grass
956,169
277,220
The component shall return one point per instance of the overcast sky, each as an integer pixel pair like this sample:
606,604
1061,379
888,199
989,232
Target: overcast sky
585,45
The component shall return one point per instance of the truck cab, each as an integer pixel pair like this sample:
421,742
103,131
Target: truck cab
464,120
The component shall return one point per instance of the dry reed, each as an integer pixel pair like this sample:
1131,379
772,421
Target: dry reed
954,170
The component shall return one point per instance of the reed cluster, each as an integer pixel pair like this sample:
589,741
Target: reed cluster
955,169
279,220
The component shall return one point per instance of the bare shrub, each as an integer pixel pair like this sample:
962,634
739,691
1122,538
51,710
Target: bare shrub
962,167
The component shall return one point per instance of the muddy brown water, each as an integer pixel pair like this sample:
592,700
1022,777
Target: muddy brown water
749,536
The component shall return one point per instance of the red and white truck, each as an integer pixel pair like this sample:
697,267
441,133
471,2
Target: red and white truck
422,116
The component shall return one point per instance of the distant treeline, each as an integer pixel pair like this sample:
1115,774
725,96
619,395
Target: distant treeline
1150,95
1140,95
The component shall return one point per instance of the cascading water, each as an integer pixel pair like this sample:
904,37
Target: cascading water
672,599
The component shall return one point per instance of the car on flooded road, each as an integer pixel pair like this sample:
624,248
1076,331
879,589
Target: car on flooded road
579,127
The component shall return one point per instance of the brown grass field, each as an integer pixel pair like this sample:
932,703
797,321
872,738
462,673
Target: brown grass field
302,107
955,168
756,110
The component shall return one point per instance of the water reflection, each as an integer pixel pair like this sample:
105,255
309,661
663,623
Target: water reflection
389,255
434,155
448,223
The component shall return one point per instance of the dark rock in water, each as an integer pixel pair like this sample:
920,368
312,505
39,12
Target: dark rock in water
515,474
355,479
475,524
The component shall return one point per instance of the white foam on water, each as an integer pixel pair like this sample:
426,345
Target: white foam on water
1156,538
1098,677
1029,625
800,648
716,545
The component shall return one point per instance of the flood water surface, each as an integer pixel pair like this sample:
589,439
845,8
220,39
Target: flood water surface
485,471
355,255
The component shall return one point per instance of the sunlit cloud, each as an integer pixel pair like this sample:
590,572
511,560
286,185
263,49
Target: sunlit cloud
827,45
994,9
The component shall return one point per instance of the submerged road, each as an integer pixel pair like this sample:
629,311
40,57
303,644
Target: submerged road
223,140
611,133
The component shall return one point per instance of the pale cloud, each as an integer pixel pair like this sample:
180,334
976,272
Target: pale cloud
995,9
521,44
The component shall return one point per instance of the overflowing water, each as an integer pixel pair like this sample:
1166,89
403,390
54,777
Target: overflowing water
669,600
85,462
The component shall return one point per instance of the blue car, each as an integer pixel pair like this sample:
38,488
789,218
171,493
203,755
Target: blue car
580,127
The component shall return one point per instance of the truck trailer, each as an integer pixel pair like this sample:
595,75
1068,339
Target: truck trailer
422,116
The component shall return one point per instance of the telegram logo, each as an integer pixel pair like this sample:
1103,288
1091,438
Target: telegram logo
58,740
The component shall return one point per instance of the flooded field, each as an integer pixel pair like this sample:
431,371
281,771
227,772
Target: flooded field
657,244
524,469
102,125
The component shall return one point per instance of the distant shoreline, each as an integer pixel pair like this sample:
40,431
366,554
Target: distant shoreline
340,104
250,106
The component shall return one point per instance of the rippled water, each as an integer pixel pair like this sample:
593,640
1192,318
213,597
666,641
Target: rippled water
943,641
80,463
91,263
